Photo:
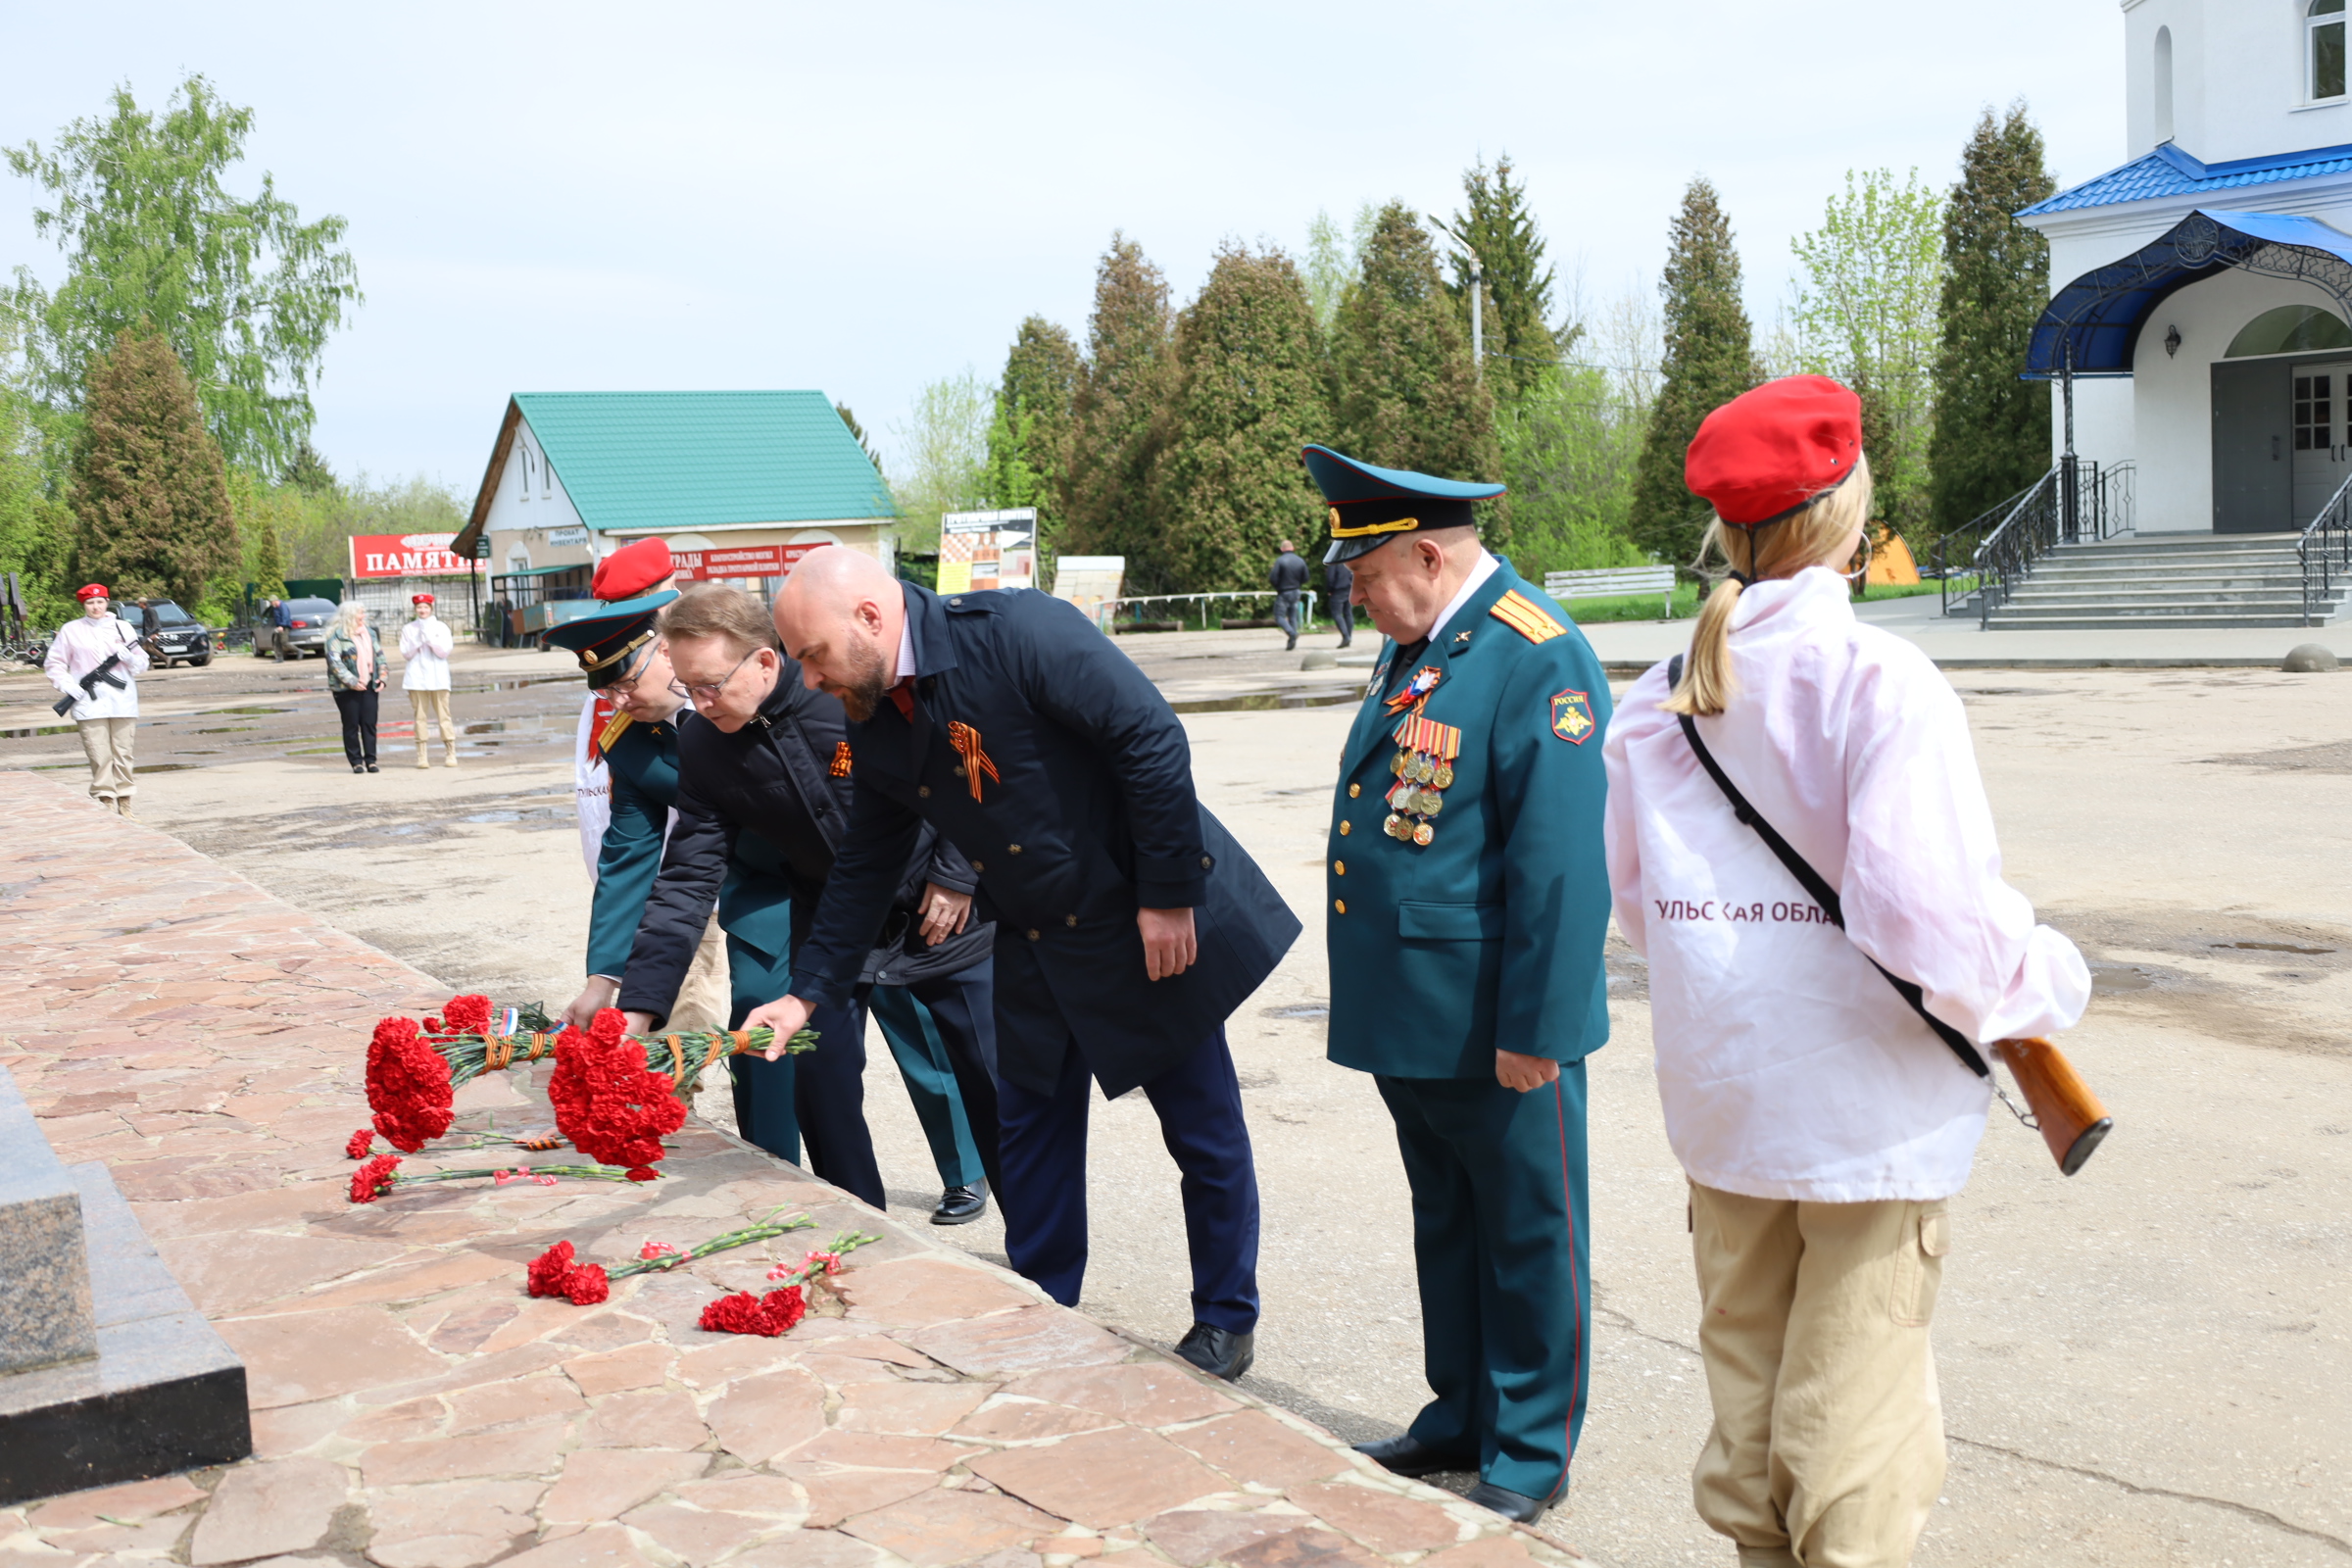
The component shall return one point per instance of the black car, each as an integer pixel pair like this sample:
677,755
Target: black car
180,639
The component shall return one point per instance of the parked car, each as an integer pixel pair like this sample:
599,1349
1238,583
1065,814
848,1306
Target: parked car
181,639
308,622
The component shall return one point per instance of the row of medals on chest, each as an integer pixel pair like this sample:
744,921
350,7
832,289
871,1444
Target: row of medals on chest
1415,797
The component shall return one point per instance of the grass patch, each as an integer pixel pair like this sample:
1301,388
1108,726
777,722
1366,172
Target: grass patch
1641,606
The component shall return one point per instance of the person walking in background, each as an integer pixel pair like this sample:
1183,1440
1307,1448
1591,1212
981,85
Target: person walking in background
1466,965
355,676
1286,578
93,660
425,645
1823,1127
1340,579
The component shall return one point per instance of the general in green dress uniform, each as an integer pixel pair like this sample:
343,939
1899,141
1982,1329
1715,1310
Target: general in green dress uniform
1468,901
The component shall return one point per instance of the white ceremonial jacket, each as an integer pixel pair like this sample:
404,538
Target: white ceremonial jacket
425,646
591,789
81,646
1790,1068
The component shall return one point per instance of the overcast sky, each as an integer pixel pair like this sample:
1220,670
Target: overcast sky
864,198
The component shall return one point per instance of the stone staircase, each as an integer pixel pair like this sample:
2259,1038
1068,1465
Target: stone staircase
2158,581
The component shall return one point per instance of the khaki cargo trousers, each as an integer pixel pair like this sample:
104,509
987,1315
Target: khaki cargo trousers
1828,1447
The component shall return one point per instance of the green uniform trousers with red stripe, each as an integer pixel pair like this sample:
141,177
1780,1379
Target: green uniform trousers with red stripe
1499,1242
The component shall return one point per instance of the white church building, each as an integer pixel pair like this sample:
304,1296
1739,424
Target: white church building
2201,294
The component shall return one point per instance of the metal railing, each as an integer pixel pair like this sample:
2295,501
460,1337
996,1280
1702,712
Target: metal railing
2326,553
1104,610
2105,504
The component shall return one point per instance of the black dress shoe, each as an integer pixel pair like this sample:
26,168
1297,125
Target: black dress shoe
1518,1510
1219,1353
1405,1456
960,1205
357,767
371,767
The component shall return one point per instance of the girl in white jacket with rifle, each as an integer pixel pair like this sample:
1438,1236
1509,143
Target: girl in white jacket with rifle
1822,1121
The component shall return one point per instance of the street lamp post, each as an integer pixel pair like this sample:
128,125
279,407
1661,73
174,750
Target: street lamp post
1478,280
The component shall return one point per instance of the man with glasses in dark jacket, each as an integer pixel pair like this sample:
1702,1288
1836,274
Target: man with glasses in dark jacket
762,805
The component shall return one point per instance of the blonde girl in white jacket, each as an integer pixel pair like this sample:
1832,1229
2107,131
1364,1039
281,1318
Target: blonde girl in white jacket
1822,1124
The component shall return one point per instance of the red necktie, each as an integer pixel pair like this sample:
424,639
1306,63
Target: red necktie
902,694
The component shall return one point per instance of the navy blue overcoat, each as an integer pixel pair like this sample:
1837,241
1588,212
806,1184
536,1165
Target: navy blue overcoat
1038,749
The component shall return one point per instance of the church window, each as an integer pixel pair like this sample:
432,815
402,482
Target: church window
2290,329
527,473
2323,47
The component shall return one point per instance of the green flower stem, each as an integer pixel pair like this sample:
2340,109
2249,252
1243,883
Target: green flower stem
601,1173
724,1241
468,1056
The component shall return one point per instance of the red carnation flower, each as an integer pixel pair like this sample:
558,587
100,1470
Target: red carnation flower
467,1015
739,1314
407,1086
587,1285
373,1178
606,1104
361,1143
784,1308
546,1272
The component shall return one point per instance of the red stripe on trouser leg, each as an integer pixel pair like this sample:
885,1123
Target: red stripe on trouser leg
1559,1103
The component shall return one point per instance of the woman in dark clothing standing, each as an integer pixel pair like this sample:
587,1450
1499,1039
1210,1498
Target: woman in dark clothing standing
355,674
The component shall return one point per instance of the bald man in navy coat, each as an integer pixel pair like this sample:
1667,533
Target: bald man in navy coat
1129,923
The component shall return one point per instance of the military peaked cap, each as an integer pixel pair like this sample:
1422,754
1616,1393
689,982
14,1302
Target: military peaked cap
1371,505
608,642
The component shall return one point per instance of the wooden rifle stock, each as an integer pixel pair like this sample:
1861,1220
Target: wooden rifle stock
2065,1107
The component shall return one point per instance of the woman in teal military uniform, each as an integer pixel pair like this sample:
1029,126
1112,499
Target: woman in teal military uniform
1468,902
620,656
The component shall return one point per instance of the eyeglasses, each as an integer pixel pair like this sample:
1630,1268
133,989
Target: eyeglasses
707,692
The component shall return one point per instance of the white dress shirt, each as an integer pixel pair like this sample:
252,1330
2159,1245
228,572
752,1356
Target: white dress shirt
1789,1067
425,645
81,646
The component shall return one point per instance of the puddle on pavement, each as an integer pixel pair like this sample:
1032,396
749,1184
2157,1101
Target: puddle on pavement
163,767
229,729
247,710
1298,1010
39,729
2111,977
2275,947
513,685
1260,702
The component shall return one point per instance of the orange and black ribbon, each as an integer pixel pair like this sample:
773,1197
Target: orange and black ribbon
841,760
1415,733
967,741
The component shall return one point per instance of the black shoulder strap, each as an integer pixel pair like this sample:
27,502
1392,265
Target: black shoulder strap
1811,880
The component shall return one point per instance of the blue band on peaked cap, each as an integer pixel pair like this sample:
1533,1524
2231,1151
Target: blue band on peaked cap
607,643
1370,506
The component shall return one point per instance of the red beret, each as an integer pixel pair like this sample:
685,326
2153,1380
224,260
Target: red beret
421,599
1770,451
632,570
94,590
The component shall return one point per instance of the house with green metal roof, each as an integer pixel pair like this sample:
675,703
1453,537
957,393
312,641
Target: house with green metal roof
739,484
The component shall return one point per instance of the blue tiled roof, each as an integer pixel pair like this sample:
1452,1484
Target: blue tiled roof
2170,172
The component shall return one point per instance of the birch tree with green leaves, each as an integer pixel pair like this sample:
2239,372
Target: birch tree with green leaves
243,290
1865,311
940,458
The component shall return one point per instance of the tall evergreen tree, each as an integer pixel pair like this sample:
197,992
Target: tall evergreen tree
1993,430
1517,308
1105,487
1249,393
149,487
866,443
1710,360
1404,392
1029,440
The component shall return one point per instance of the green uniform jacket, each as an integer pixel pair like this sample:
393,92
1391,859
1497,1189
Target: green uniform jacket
755,905
1490,935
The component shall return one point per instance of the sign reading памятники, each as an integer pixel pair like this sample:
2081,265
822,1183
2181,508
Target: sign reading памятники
405,555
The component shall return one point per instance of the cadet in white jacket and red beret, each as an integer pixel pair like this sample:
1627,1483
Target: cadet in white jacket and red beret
1822,1124
107,711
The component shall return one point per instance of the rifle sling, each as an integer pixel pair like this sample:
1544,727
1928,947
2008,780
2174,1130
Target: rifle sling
1811,880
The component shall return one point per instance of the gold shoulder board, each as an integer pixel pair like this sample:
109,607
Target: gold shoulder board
1526,618
612,731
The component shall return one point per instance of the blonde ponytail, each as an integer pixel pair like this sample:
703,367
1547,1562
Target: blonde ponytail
1777,550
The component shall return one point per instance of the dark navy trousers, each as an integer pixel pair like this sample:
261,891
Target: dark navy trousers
1042,1149
817,1098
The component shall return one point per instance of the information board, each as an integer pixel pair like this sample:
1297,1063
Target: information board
983,550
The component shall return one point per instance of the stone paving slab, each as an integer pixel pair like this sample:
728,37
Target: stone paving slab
413,1408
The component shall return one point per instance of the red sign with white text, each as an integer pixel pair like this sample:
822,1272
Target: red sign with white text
738,560
405,555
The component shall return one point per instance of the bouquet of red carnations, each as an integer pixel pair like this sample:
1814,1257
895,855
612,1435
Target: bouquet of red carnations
608,1102
558,1271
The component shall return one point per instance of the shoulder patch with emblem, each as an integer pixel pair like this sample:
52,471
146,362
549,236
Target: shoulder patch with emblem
1571,717
1526,618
